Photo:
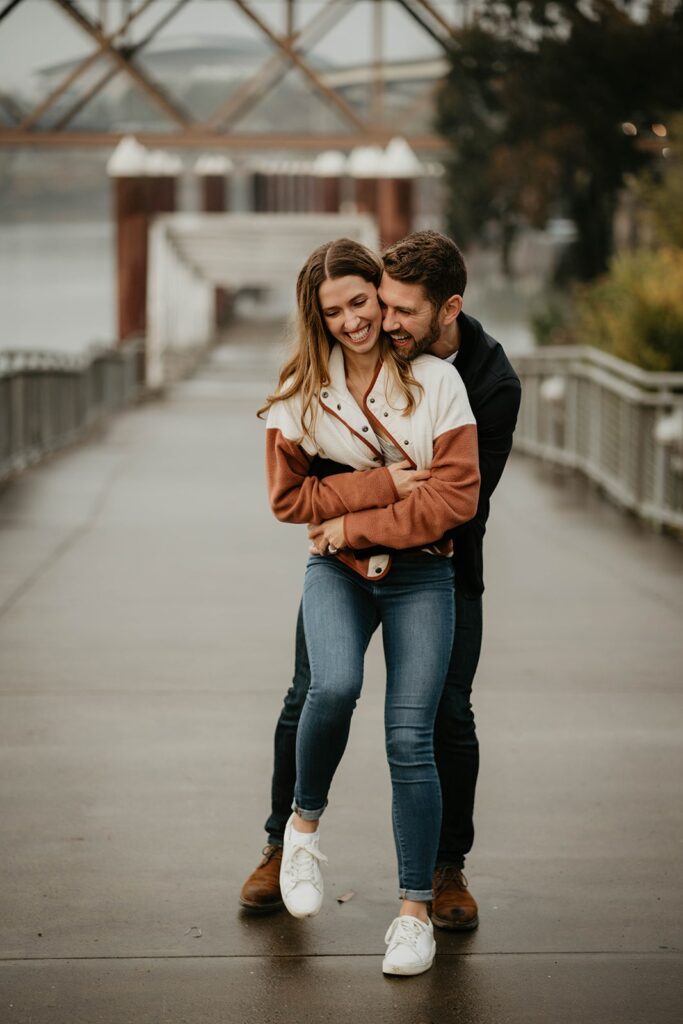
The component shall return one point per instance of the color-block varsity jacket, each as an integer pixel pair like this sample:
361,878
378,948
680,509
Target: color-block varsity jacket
494,392
440,434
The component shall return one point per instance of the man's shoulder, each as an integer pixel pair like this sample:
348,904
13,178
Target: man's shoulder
482,360
437,377
430,368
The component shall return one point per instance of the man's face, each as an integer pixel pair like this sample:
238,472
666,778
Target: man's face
409,318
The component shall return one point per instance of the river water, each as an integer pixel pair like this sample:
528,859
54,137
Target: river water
58,288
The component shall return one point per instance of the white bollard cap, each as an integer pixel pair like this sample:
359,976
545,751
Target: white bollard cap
213,164
161,164
366,162
399,161
330,164
129,159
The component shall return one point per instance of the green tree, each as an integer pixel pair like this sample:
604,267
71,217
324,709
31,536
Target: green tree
534,108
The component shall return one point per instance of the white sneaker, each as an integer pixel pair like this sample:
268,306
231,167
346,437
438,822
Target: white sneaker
301,882
411,946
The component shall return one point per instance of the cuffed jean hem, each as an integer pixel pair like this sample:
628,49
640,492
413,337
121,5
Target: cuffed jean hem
308,815
418,895
275,841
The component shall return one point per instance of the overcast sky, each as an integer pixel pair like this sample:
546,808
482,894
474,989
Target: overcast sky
38,33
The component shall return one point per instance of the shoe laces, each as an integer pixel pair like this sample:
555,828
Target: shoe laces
450,873
302,864
269,852
405,931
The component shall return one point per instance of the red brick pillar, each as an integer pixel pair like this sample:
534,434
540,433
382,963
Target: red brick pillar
329,169
144,183
130,212
395,209
259,185
365,167
396,192
212,172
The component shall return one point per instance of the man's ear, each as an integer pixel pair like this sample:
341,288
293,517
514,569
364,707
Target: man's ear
450,310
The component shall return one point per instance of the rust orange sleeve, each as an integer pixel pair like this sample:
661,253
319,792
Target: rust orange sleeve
447,499
296,497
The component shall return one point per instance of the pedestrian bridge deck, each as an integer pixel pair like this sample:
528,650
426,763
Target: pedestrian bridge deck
148,605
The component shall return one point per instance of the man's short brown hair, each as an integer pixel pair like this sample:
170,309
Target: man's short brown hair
430,259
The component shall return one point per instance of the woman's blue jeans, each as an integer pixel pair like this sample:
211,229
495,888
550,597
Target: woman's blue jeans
341,610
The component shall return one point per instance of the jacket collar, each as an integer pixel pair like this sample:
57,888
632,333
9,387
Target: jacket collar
338,374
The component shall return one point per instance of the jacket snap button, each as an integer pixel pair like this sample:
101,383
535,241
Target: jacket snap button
325,394
378,569
365,430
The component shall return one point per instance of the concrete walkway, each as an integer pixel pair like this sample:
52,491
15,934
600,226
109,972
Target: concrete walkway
146,628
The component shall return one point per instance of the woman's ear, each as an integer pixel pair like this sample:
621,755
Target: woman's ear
451,309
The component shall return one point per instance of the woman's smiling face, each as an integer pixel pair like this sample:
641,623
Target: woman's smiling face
351,312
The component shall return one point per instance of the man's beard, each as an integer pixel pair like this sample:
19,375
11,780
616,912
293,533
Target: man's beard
431,336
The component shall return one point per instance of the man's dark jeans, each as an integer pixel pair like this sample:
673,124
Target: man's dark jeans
455,740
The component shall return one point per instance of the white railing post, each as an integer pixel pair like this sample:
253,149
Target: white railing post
622,426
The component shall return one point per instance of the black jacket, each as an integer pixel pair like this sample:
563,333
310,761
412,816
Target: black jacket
494,392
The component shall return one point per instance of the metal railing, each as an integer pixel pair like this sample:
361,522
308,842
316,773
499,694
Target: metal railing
618,424
48,400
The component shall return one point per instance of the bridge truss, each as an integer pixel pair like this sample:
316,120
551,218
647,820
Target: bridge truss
221,128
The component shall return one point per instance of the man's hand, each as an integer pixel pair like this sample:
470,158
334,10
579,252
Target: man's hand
328,537
406,480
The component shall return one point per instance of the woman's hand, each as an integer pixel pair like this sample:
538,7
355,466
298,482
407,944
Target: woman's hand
328,537
405,479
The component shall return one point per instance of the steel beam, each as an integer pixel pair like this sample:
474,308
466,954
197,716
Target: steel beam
11,108
330,95
199,139
151,90
408,6
113,72
377,102
437,16
10,7
275,68
76,72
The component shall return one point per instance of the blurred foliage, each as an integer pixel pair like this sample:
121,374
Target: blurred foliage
635,311
550,320
533,108
661,190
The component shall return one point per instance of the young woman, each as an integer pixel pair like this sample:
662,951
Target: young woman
408,431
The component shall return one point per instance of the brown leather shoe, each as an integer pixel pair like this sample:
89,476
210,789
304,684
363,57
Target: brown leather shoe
261,891
453,905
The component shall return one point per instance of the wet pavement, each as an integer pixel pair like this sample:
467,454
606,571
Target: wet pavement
147,607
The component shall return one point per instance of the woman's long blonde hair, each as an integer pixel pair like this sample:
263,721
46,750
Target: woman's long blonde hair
308,369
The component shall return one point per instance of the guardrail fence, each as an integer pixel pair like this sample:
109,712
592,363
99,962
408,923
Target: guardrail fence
48,400
581,408
618,424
